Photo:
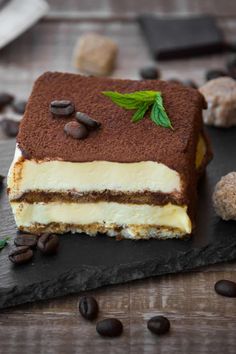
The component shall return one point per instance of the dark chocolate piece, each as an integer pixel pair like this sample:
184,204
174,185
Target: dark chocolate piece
171,38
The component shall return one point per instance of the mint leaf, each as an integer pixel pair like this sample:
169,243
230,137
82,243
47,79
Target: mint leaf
141,101
3,242
139,114
122,100
159,115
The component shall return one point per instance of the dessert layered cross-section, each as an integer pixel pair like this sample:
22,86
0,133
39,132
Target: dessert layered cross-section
128,179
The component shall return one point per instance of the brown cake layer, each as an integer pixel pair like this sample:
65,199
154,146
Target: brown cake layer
42,136
145,197
97,228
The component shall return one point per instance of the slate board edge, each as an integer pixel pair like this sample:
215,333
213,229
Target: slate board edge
94,277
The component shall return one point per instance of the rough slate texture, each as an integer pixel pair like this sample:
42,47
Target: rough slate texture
86,263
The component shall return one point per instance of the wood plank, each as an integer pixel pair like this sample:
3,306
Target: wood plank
103,9
63,334
200,319
49,46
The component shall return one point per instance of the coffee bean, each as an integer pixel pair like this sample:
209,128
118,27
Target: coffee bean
231,66
26,240
25,154
214,74
190,83
149,73
62,108
48,243
226,288
10,127
1,180
231,47
110,327
76,130
86,120
158,325
21,255
174,81
19,106
5,99
88,307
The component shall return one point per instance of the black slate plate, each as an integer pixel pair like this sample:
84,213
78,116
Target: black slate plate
87,263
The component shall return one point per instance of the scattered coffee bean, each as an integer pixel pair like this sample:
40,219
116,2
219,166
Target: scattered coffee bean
190,83
26,240
214,74
231,66
21,255
10,127
19,106
158,325
86,120
1,180
110,327
149,73
5,99
88,307
76,130
62,108
25,154
48,243
231,47
174,81
226,288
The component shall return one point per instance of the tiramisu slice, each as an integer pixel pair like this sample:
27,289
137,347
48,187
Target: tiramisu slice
126,179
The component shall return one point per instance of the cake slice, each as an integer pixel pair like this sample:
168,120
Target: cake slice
130,180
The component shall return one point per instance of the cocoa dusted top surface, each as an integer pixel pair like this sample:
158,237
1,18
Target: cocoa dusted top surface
42,136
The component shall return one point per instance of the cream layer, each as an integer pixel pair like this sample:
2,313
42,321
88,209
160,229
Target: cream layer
107,214
62,176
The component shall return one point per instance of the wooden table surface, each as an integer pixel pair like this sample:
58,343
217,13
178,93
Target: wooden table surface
201,320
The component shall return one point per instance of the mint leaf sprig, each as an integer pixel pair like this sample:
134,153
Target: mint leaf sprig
3,242
141,101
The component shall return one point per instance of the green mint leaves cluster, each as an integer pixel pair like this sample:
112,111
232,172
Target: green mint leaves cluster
142,101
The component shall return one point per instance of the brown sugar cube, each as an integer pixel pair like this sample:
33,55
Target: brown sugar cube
95,54
220,95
